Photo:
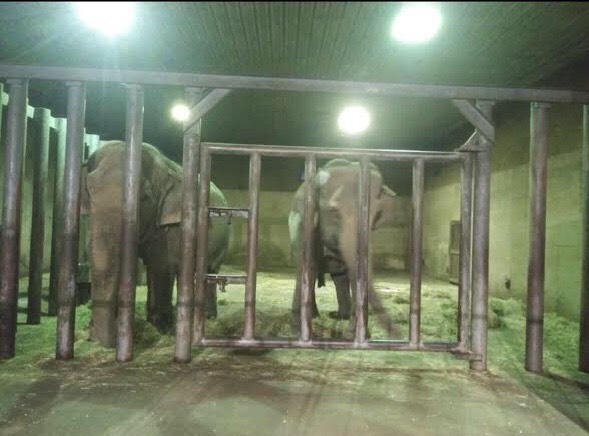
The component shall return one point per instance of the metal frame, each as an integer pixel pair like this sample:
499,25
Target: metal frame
474,102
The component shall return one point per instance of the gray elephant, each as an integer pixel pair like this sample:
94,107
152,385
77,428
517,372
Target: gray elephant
336,226
160,207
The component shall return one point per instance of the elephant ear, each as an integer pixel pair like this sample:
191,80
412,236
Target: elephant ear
171,205
384,208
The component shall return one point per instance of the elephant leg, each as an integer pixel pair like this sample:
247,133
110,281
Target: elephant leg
342,289
160,284
211,300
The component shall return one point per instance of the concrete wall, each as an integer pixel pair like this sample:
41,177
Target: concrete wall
509,225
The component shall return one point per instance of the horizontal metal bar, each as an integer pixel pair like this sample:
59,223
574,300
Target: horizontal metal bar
293,84
384,345
227,278
228,211
298,151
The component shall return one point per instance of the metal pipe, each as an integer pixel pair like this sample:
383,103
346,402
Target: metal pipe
66,284
293,84
584,319
538,181
57,224
252,246
16,133
40,160
306,271
382,345
320,153
416,248
185,298
130,219
202,241
363,250
464,286
204,105
480,249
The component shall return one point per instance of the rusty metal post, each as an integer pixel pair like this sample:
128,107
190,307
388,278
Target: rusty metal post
538,181
306,275
185,297
129,227
363,250
40,161
57,224
202,243
416,249
66,285
584,321
464,286
252,246
16,133
480,248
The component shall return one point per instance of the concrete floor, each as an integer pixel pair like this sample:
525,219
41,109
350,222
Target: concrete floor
281,392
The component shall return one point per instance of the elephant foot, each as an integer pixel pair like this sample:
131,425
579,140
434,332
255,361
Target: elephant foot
103,327
162,321
211,315
334,314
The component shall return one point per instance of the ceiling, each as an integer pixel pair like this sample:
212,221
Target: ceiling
488,43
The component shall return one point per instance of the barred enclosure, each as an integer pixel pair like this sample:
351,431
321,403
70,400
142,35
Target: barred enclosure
475,103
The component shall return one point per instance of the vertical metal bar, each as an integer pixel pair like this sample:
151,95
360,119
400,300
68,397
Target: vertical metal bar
40,160
252,246
185,298
538,180
363,251
57,224
584,321
306,270
129,227
66,284
464,286
16,133
480,248
416,247
202,240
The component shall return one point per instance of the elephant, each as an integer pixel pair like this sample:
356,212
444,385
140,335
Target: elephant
335,232
159,232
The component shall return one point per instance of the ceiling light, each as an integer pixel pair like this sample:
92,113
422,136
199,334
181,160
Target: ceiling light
417,22
353,120
180,112
110,18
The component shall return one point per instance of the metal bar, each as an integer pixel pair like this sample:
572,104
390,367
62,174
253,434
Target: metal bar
584,319
16,133
362,248
227,278
130,219
416,248
40,167
306,274
476,118
350,153
185,297
538,181
293,84
66,284
480,249
384,345
201,108
58,214
202,235
252,246
228,211
464,285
